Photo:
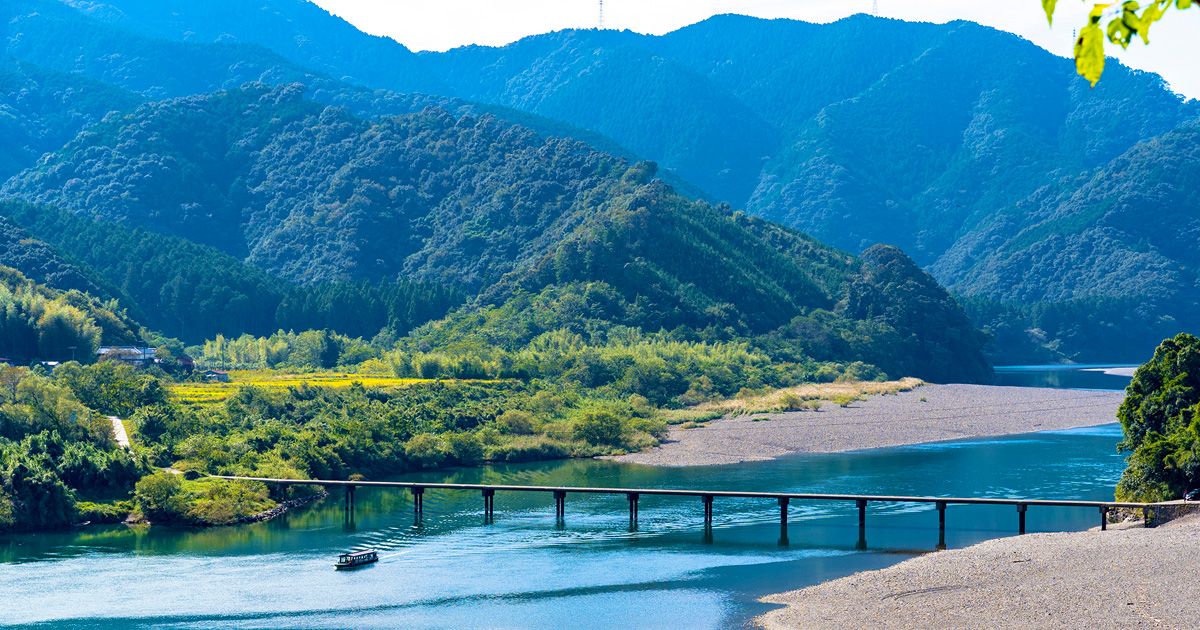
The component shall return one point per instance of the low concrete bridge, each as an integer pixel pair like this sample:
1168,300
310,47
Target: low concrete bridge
708,497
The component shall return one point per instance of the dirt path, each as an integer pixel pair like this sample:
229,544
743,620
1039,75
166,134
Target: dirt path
119,433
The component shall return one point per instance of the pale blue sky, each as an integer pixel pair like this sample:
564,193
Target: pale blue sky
443,24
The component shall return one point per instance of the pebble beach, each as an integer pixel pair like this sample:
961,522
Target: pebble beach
930,413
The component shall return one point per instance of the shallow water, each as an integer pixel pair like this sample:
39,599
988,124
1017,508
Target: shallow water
451,570
1077,376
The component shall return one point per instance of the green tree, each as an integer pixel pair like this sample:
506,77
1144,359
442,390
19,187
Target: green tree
161,496
1161,419
426,450
110,387
600,427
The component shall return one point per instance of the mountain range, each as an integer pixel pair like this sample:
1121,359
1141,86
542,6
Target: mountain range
1059,214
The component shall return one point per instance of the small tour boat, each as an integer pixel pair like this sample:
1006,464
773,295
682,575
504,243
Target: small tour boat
356,559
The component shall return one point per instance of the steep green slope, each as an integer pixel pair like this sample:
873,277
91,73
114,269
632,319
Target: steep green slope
41,110
1111,258
945,140
315,195
41,323
194,292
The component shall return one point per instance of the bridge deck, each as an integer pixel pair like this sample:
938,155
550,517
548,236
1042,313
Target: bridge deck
798,496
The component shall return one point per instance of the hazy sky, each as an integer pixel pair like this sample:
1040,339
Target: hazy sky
443,24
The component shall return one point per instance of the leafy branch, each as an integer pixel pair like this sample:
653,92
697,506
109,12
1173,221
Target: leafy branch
1125,21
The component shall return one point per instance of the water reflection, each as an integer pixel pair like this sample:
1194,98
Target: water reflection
1063,376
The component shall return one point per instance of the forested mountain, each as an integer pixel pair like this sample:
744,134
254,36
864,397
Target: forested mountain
304,192
194,292
312,194
789,120
41,110
1110,261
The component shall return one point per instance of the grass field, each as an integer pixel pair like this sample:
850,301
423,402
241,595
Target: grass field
807,397
213,393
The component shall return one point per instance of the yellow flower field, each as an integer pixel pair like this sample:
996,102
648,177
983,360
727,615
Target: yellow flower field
213,393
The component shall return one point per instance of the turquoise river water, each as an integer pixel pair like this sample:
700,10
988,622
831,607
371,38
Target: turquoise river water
450,570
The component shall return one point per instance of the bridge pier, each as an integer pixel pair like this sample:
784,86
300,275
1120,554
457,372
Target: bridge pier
783,521
418,494
633,510
1103,518
862,524
708,510
349,499
489,504
1021,507
941,508
560,505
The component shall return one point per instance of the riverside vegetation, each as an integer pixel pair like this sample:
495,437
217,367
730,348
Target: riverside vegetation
61,466
510,285
1161,418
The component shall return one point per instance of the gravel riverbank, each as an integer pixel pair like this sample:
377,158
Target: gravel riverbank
1128,578
931,413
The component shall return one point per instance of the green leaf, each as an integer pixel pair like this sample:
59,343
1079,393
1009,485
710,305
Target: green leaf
1130,17
1119,33
1048,5
1183,4
1152,14
1089,53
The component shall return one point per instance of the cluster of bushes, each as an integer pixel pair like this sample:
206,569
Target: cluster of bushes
41,323
169,498
321,432
625,362
1161,419
53,451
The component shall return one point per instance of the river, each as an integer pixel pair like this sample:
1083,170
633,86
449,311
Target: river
450,570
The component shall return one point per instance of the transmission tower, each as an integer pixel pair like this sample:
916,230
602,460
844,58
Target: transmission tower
874,7
601,14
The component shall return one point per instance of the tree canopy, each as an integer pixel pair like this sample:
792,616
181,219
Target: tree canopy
1161,418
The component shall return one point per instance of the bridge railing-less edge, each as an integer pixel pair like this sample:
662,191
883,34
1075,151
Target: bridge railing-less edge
707,498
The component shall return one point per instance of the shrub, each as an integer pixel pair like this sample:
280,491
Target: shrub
844,400
465,448
160,496
426,450
221,502
599,427
791,402
515,422
528,449
104,512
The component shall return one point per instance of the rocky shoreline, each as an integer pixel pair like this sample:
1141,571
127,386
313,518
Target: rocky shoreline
280,509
